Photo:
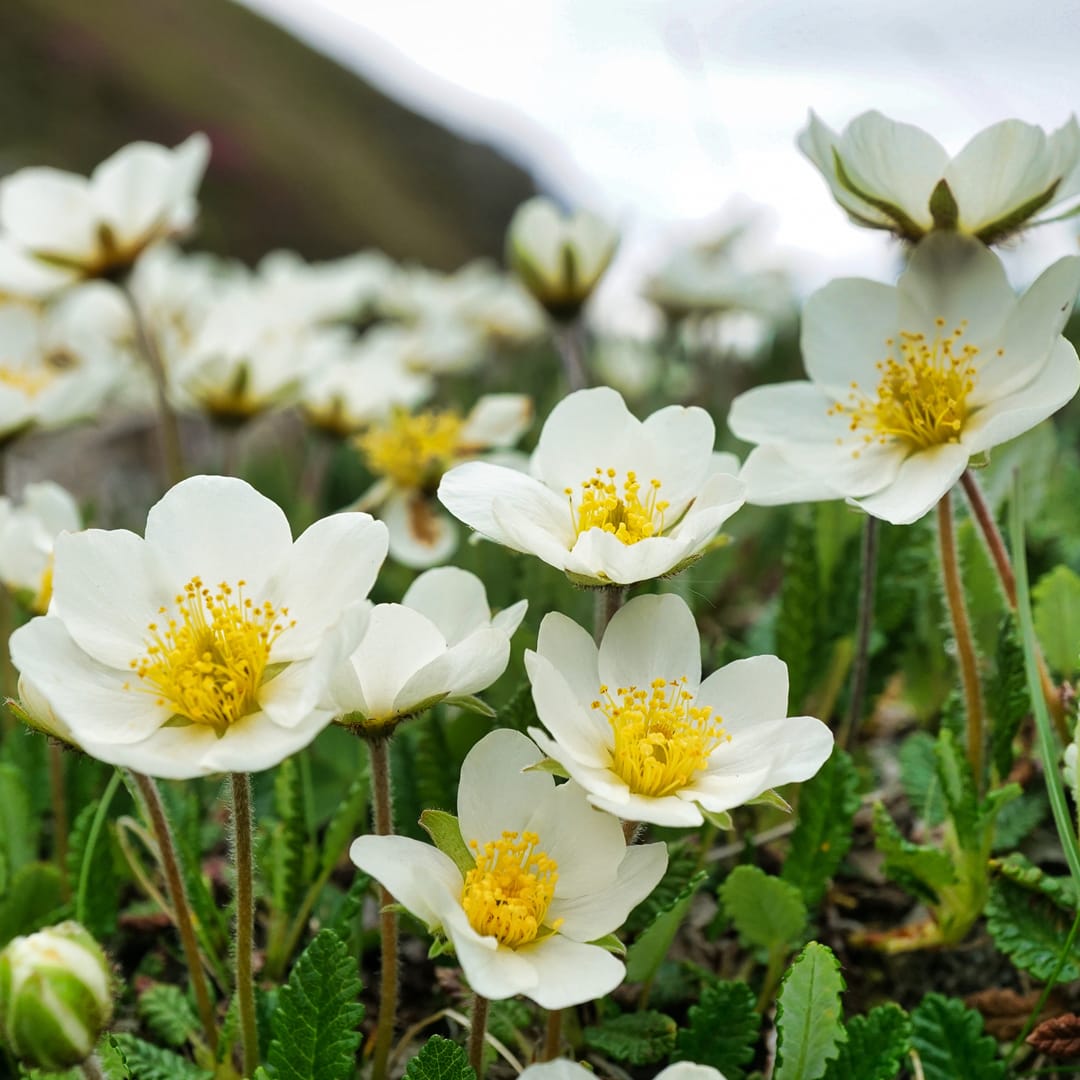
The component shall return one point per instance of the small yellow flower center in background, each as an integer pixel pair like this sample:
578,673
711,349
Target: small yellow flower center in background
45,589
508,894
413,451
207,661
922,396
661,738
624,514
28,381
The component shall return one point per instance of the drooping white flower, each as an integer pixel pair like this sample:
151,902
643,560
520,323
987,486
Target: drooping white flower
634,723
561,1069
565,878
440,643
409,452
894,176
908,382
611,499
559,257
193,651
59,228
28,532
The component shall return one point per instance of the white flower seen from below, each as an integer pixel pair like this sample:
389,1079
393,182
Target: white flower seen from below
196,650
561,1069
894,176
28,532
540,874
636,726
611,499
908,383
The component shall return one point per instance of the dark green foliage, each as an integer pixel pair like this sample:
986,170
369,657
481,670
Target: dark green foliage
1007,700
822,836
19,826
148,1062
767,913
290,844
797,636
440,1059
808,1015
876,1046
168,1014
641,1038
948,1038
1031,930
32,900
644,957
1018,819
315,1024
682,866
919,868
918,774
722,1029
103,897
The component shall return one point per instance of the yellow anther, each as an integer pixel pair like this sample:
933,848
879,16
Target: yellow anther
623,513
412,451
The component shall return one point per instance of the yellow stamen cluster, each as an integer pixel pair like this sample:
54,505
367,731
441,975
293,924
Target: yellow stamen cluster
922,396
661,738
623,514
413,451
28,381
207,660
508,893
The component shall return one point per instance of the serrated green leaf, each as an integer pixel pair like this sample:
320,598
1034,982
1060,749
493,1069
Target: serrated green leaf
1019,869
18,827
440,1059
808,1015
640,1038
149,1062
315,1023
920,869
646,954
948,1038
1056,609
31,902
722,1029
114,1065
797,621
876,1047
958,789
1007,700
168,1014
344,825
822,836
1018,819
102,901
445,833
519,712
767,912
918,775
289,840
1031,930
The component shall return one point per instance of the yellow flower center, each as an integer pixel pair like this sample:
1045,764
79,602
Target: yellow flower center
661,738
28,381
507,895
413,451
45,589
208,659
922,396
622,513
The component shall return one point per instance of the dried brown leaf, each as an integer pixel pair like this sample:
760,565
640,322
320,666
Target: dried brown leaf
1058,1037
1005,1011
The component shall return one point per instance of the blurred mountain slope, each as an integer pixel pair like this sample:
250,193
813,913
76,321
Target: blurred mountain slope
306,154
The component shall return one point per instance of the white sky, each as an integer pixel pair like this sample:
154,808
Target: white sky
662,113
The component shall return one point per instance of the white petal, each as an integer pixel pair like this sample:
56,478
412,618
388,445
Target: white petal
720,496
475,663
919,485
669,810
577,727
419,877
420,534
509,619
493,970
682,443
569,972
652,637
571,652
687,1070
599,781
772,480
602,557
452,598
23,275
497,420
50,212
55,507
745,691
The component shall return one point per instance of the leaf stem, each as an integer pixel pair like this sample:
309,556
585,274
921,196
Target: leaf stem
174,881
383,812
965,644
96,825
477,1031
552,1035
861,665
242,826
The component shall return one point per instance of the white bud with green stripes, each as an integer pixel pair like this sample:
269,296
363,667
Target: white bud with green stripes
55,996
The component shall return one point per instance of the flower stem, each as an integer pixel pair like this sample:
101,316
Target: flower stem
552,1035
169,428
240,790
608,601
477,1031
383,808
58,797
174,880
861,663
965,645
91,1069
995,542
569,340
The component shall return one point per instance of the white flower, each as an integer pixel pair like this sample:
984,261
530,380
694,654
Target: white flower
636,726
440,643
895,176
28,532
561,1069
409,452
193,651
565,878
1072,775
907,383
59,228
559,257
611,499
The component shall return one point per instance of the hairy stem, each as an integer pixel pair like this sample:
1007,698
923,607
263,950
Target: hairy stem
242,824
477,1031
607,602
91,1068
965,644
388,924
570,342
861,664
552,1035
174,881
58,797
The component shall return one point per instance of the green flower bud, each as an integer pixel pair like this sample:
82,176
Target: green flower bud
55,996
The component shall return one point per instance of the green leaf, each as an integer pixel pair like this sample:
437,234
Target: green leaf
797,621
114,1065
440,1059
1007,699
948,1038
315,1024
808,1015
1018,819
639,1038
149,1062
919,869
31,902
682,866
918,775
344,825
1019,869
1031,930
722,1029
644,957
289,841
18,827
876,1047
766,911
943,208
445,832
958,790
822,836
168,1014
1056,608
102,904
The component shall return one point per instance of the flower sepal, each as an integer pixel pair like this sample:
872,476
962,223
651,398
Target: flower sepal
445,833
771,798
721,819
471,703
549,765
440,946
610,943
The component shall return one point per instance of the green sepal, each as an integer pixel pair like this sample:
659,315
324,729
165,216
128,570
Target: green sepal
471,703
610,943
771,798
902,224
1010,222
440,946
445,833
548,765
979,460
943,208
721,819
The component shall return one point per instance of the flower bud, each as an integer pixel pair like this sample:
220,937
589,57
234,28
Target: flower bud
560,258
36,713
55,996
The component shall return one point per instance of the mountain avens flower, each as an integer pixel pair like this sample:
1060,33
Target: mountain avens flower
636,726
561,1069
28,532
535,876
56,996
908,383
